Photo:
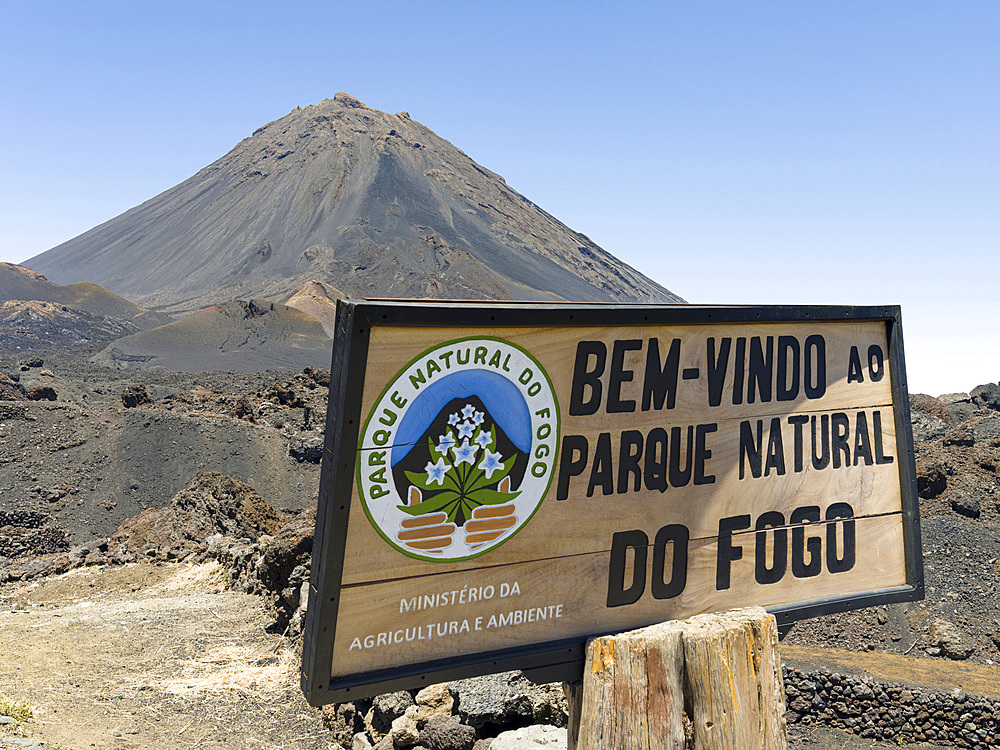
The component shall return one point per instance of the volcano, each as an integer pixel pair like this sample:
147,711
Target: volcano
370,203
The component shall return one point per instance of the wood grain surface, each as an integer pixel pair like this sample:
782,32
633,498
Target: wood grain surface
578,586
561,559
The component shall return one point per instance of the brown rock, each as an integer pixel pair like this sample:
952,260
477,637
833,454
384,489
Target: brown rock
10,390
435,700
945,635
212,503
136,395
42,393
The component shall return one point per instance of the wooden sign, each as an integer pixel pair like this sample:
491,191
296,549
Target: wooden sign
502,481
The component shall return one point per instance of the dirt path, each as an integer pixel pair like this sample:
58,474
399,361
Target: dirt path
157,657
941,675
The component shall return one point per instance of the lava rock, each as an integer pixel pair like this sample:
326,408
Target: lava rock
987,396
986,430
41,393
343,721
931,479
447,733
308,448
945,635
528,738
387,708
961,435
10,389
929,417
404,731
507,700
435,700
966,505
136,395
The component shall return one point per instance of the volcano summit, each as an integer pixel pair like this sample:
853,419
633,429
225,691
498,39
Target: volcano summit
371,203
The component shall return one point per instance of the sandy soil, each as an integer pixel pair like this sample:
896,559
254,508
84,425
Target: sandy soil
157,657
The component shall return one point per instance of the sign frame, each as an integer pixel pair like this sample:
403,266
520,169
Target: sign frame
557,659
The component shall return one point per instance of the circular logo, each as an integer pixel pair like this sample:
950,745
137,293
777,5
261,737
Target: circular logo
459,449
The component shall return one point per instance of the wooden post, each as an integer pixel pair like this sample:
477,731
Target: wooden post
712,682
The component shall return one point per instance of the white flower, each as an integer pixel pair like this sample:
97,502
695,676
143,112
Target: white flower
466,429
491,462
477,418
445,443
453,419
468,411
482,439
465,453
435,472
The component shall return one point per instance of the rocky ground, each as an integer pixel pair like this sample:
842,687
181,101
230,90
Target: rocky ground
957,445
155,540
82,448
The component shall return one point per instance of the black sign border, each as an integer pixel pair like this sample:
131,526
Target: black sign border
561,659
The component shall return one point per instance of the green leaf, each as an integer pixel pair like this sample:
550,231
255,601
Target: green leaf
453,513
417,478
432,504
491,497
497,475
472,477
450,482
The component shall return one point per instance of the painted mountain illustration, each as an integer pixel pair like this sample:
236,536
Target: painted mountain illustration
369,203
463,460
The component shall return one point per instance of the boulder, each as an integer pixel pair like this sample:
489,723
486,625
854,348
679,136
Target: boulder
388,707
508,700
11,389
404,731
343,722
307,448
41,393
932,479
987,430
447,733
210,504
135,395
987,396
966,505
535,737
434,700
929,417
946,636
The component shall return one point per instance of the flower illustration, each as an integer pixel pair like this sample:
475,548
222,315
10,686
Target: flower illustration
436,471
468,411
477,418
465,453
445,443
491,463
456,484
453,419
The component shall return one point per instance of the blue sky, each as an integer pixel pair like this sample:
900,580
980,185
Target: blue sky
792,152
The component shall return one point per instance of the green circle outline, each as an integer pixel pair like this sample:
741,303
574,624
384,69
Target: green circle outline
364,430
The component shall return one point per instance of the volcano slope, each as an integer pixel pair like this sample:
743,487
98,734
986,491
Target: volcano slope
248,336
372,203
